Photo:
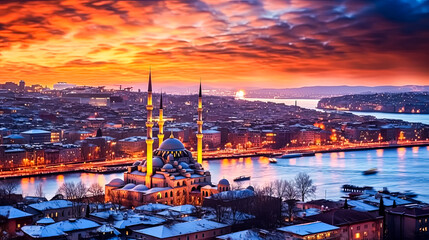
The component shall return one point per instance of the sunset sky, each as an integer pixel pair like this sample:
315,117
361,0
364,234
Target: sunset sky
237,44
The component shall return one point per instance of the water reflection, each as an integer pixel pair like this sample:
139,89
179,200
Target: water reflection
399,169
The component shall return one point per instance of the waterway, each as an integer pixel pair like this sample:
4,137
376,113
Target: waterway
312,104
399,169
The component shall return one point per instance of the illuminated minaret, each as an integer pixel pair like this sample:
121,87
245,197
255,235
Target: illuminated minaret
149,139
200,127
161,122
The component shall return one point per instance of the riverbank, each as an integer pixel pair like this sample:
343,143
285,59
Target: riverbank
84,167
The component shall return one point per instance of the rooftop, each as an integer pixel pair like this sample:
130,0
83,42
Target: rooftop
179,229
10,212
54,204
308,228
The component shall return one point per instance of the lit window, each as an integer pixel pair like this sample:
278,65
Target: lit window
357,235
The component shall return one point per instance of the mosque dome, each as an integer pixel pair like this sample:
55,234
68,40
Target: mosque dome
140,187
172,144
224,182
184,165
136,163
167,166
116,183
157,162
129,186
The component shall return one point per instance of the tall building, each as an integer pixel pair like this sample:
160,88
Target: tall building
169,175
21,86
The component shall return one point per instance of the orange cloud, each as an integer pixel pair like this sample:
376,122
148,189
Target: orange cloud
230,43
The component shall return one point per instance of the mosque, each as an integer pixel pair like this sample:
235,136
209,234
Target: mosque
170,174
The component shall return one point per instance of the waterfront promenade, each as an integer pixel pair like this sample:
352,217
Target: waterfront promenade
208,156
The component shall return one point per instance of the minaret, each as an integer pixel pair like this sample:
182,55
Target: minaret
161,122
200,127
149,139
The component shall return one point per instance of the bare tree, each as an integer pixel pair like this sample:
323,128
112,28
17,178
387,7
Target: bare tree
76,193
39,190
8,187
96,192
304,185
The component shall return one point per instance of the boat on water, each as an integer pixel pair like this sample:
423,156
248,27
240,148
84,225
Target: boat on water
291,155
106,169
242,178
370,171
272,160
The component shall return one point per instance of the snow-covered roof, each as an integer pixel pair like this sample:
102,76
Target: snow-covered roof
359,205
183,209
46,220
54,204
237,194
152,207
10,212
74,225
181,228
134,220
35,131
246,234
388,201
42,231
308,228
107,228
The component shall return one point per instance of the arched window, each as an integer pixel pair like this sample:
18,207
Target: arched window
178,184
166,194
171,194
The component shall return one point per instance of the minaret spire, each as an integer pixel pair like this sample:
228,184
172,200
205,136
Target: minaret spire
149,139
149,86
200,127
161,122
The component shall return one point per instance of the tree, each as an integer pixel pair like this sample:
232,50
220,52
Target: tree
346,205
76,193
381,208
39,190
8,187
290,196
304,185
96,192
99,133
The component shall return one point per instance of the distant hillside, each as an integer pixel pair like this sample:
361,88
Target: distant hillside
409,102
330,91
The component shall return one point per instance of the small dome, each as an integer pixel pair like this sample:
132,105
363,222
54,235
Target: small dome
157,162
170,158
116,183
184,165
172,144
250,188
143,163
168,166
129,186
175,163
224,182
140,187
136,163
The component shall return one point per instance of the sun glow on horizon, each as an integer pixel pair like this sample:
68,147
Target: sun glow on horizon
240,94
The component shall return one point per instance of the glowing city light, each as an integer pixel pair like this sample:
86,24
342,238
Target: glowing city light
240,94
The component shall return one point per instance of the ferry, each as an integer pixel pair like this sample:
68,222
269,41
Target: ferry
370,171
242,178
292,155
106,169
272,160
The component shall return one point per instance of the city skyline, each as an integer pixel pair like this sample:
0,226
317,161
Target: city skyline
227,43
